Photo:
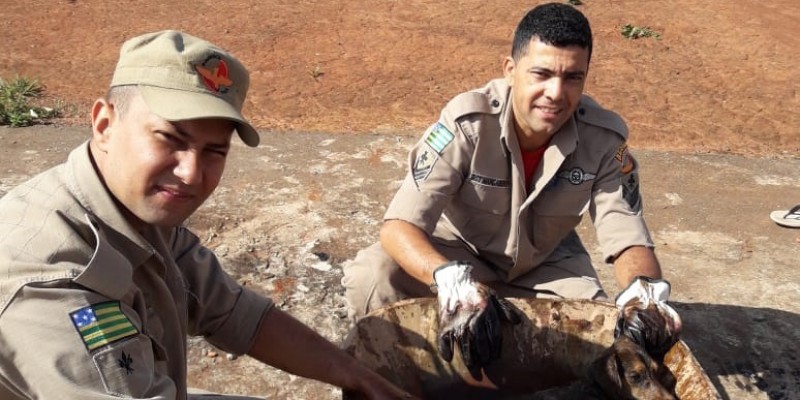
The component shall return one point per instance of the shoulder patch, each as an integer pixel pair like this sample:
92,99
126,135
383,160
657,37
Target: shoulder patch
423,165
630,192
593,114
439,137
102,324
626,161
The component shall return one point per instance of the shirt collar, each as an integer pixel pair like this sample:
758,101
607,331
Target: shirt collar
566,139
99,202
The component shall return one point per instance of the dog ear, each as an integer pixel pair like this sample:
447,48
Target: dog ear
666,378
606,372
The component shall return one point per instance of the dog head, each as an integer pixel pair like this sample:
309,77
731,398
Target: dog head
626,371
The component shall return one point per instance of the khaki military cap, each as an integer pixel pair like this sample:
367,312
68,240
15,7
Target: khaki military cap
184,77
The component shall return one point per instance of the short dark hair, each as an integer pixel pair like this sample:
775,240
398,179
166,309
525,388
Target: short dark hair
556,24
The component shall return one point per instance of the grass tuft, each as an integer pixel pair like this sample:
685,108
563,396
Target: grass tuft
316,72
17,98
635,32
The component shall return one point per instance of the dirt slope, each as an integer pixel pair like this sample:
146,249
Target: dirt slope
710,106
721,78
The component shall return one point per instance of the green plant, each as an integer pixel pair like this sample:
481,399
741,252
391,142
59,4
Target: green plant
16,108
636,32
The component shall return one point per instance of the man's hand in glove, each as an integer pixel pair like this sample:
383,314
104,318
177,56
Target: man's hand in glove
470,316
645,316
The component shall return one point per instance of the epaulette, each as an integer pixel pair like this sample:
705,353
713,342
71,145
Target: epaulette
484,101
593,114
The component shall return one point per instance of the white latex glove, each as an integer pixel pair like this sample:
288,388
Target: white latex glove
470,316
646,317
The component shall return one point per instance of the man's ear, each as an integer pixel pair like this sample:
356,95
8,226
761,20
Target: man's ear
508,69
102,119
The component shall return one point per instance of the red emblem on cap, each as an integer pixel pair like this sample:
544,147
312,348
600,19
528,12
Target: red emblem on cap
214,77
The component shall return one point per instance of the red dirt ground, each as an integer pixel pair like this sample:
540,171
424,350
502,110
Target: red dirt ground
722,78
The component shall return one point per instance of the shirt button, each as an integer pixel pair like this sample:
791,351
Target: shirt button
495,103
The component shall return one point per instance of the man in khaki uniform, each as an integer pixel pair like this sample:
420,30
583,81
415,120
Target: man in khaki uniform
100,285
497,185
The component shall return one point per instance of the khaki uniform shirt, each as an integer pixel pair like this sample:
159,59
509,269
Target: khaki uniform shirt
466,181
91,309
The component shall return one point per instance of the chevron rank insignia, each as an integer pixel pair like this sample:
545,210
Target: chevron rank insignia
423,164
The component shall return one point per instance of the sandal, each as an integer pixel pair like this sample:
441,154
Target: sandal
787,218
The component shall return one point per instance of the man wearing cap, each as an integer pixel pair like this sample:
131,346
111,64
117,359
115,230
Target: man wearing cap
100,284
495,189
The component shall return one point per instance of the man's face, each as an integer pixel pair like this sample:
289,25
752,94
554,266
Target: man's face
160,171
547,83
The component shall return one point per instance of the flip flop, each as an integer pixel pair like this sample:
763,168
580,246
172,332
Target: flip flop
787,218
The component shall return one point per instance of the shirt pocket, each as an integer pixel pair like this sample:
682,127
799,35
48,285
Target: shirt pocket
556,213
481,212
127,368
492,199
564,199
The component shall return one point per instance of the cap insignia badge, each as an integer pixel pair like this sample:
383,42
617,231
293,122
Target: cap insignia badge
215,77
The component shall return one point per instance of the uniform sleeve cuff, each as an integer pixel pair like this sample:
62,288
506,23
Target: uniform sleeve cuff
239,331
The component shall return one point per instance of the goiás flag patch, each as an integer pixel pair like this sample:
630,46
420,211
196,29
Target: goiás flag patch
439,137
102,324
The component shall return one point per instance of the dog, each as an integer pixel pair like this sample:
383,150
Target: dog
624,371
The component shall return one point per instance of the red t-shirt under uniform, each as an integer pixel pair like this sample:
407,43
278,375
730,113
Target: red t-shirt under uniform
531,160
